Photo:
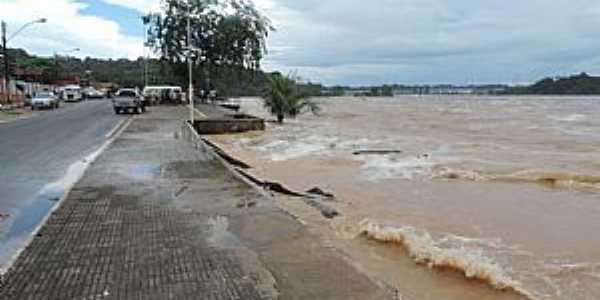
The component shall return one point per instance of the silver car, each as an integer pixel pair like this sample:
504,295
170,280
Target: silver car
44,100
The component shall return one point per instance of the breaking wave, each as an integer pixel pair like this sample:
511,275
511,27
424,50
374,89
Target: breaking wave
551,179
282,149
390,166
423,249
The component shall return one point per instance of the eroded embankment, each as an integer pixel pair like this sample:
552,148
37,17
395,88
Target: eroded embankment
314,197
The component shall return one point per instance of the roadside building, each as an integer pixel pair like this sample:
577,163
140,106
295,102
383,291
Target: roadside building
17,97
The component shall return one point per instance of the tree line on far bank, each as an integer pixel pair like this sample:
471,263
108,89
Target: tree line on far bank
581,84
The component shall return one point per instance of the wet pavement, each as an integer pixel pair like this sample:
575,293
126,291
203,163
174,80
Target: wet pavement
155,218
39,158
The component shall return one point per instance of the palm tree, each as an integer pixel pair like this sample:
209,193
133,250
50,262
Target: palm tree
284,99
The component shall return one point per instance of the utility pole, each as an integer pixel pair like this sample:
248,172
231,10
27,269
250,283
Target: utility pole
189,58
6,64
145,56
6,58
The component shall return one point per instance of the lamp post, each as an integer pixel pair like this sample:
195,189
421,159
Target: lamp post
146,46
189,59
5,40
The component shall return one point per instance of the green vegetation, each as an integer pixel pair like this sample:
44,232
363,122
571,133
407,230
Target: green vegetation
229,81
228,42
284,98
123,72
582,84
228,39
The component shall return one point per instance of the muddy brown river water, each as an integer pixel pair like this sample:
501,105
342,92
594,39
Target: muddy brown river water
483,198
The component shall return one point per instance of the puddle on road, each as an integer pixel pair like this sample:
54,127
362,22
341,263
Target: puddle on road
22,223
219,234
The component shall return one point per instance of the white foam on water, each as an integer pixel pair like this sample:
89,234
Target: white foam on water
356,144
382,167
569,118
426,250
295,146
408,167
297,151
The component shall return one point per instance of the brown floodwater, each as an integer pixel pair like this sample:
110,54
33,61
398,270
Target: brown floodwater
484,198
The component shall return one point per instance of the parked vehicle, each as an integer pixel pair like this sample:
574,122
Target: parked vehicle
128,100
44,100
92,93
163,94
72,93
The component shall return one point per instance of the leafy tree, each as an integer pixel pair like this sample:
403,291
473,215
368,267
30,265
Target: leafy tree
227,36
283,98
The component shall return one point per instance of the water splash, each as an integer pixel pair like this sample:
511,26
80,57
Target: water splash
423,249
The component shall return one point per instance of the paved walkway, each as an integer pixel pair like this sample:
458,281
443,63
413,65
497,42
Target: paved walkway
154,218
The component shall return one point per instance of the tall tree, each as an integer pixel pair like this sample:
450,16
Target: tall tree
226,34
284,98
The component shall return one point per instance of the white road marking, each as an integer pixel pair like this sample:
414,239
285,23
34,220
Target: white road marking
112,132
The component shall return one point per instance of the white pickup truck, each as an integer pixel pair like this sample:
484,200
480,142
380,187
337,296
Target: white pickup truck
128,100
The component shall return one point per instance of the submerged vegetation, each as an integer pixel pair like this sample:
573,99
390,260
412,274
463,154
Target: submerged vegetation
284,98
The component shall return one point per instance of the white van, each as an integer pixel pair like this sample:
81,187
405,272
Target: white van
163,94
71,93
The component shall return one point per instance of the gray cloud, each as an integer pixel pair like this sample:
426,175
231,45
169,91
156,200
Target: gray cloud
432,41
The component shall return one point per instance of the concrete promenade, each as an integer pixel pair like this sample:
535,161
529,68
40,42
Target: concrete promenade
155,218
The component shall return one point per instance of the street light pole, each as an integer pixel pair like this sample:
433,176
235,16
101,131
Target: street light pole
145,56
189,58
6,72
5,40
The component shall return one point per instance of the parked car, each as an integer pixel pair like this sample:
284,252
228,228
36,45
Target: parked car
154,95
92,93
44,100
72,93
128,100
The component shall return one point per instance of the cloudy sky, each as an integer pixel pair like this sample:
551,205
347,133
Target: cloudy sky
357,42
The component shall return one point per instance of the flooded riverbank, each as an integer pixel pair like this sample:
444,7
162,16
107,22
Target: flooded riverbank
479,198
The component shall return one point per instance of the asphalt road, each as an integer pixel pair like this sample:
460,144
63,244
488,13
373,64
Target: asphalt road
37,156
